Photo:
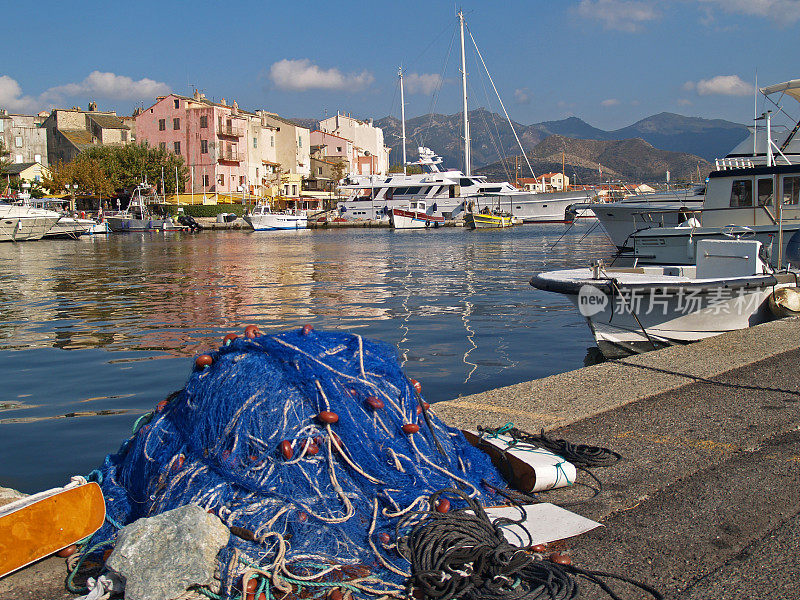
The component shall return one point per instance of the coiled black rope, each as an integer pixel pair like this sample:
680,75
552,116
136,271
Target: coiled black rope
578,454
463,554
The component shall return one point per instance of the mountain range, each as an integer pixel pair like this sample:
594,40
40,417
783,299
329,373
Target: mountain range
643,151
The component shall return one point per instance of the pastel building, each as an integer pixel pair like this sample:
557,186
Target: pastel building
227,150
293,144
70,131
371,155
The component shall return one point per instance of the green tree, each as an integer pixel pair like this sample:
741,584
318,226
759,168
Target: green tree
4,161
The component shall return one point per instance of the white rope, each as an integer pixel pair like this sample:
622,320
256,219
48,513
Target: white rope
370,538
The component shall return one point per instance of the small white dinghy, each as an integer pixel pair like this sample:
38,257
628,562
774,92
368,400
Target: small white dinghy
637,309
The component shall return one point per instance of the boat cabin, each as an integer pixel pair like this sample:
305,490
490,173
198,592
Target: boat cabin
752,195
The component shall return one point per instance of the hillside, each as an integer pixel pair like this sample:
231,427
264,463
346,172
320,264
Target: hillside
627,160
708,138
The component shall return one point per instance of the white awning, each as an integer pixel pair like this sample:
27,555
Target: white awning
791,88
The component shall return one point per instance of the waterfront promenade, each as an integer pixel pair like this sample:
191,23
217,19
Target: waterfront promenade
704,504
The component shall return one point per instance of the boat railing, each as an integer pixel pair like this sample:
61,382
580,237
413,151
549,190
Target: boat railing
657,218
725,164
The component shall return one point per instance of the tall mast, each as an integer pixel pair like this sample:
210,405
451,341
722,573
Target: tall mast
403,117
467,161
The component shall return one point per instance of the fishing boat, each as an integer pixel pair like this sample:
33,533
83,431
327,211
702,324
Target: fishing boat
487,218
642,308
24,223
138,216
418,215
262,218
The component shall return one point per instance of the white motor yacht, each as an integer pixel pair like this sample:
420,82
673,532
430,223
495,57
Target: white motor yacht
262,218
632,310
20,223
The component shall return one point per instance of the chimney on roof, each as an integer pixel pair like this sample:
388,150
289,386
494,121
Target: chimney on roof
235,110
223,102
202,96
196,95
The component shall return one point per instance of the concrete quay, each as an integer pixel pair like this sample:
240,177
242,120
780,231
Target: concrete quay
704,504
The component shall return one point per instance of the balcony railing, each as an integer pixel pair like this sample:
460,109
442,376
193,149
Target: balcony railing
231,130
229,156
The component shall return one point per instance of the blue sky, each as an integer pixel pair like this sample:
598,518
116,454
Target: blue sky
609,62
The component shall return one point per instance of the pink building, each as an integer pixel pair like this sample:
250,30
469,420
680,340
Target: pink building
212,138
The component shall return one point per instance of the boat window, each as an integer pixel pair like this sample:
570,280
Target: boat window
742,193
414,190
765,192
400,191
465,181
791,190
492,189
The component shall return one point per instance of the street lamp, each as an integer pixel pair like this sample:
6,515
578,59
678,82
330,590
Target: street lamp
72,190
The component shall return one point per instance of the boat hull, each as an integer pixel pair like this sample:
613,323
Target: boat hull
276,221
410,219
20,229
487,221
121,224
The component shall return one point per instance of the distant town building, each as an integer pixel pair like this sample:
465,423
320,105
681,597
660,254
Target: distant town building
24,138
549,182
226,149
69,131
293,144
34,172
369,155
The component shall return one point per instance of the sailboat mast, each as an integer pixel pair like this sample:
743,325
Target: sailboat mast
403,117
467,161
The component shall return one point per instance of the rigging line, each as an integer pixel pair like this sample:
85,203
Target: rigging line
437,91
514,131
501,151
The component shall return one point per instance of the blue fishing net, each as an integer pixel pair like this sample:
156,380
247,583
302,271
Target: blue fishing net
311,446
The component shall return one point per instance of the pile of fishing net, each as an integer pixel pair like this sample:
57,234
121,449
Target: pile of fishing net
313,447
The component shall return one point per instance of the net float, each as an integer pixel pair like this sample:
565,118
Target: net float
416,385
312,449
374,402
560,559
424,405
286,449
307,329
251,331
68,551
228,339
203,360
539,548
302,517
161,405
250,589
384,537
335,595
107,553
328,417
410,428
443,505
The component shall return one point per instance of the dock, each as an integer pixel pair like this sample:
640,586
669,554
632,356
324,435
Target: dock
704,504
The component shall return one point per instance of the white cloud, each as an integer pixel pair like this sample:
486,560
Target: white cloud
781,11
96,85
684,102
421,83
302,75
609,102
621,15
723,85
112,86
522,96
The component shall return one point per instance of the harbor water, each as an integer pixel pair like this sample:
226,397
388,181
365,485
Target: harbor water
96,331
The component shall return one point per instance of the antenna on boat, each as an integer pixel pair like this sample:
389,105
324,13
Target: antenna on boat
403,117
467,161
755,117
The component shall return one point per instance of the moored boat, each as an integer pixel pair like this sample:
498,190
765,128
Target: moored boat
23,223
632,310
417,215
262,218
138,216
